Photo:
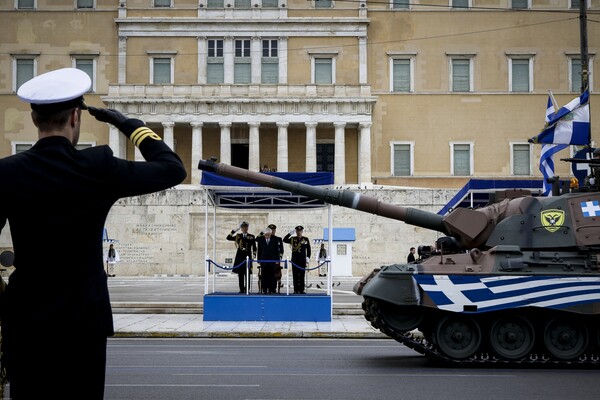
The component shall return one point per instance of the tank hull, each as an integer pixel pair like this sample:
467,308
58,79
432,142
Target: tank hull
475,317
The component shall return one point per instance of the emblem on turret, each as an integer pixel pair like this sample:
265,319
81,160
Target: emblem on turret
553,219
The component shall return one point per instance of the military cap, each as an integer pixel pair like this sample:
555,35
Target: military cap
299,228
597,151
272,226
244,223
56,90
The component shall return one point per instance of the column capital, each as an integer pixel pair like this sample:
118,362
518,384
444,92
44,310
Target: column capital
339,124
311,124
253,124
225,124
283,124
196,124
365,124
168,124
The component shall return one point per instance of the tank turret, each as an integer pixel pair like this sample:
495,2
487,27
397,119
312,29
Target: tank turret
517,281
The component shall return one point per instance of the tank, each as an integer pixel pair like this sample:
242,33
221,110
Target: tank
517,281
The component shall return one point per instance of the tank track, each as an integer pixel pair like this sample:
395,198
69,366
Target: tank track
425,347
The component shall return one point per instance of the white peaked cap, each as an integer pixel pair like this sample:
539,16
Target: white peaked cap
56,86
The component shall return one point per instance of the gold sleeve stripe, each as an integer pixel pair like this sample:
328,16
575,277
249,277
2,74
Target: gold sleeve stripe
142,133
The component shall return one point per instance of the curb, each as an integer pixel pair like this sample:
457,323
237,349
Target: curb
253,335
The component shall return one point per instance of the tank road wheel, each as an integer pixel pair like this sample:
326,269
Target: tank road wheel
565,339
512,338
458,337
402,319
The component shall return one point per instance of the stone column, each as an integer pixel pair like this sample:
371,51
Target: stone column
196,151
254,147
339,169
117,142
225,142
362,60
255,59
364,154
228,52
283,57
202,60
168,136
122,75
311,146
282,146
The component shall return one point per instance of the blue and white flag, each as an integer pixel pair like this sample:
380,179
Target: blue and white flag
548,151
569,125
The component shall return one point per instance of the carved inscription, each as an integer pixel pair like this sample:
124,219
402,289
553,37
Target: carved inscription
134,253
154,229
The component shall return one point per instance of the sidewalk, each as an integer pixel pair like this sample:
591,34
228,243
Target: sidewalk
193,325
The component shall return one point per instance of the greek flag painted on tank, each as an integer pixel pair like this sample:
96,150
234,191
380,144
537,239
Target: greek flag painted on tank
453,292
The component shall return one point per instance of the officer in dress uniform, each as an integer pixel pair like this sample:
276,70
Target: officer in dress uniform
54,194
280,250
300,247
246,247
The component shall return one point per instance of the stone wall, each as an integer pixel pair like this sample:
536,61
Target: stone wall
164,232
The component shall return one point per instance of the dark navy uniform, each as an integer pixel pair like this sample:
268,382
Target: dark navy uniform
56,311
246,247
300,248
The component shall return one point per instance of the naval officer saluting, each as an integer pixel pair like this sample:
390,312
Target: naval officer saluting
54,329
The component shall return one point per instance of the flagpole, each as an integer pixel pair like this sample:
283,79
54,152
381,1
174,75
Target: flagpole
584,60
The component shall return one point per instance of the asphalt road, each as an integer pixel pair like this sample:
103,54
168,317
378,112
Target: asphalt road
317,369
191,289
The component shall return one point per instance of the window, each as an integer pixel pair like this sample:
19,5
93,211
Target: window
521,158
400,4
323,70
87,65
270,61
215,72
161,71
401,74
520,75
460,3
26,4
575,4
323,3
270,3
242,3
162,3
402,158
25,69
460,74
520,4
461,159
85,4
215,4
242,67
575,74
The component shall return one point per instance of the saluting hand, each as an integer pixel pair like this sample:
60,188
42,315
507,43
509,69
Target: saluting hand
109,115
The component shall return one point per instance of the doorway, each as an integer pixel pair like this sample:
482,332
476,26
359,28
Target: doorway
239,155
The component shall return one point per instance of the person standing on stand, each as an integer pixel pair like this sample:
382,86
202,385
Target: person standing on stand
321,260
52,194
268,252
411,256
280,251
300,247
246,247
112,258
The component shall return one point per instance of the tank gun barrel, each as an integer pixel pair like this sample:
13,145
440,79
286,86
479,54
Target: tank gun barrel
344,198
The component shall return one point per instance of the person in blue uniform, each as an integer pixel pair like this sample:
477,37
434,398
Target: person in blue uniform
300,248
245,244
55,312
